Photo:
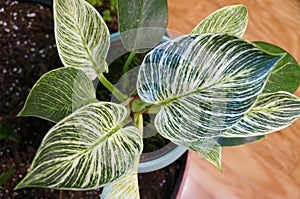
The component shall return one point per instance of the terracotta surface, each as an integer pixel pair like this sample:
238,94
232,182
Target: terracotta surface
269,168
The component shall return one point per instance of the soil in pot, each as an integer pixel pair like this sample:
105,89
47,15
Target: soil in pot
27,51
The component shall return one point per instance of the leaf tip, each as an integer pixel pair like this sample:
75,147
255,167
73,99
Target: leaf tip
20,114
19,186
216,163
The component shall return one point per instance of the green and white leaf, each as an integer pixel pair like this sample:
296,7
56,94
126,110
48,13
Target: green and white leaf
142,23
58,93
88,149
286,74
124,188
209,149
271,112
204,83
82,36
231,19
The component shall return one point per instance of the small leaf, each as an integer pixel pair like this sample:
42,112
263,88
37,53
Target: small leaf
286,74
204,83
6,175
142,23
82,36
271,112
124,188
58,93
230,19
209,149
86,150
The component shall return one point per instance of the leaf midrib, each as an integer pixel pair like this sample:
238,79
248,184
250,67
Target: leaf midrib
97,143
172,99
85,46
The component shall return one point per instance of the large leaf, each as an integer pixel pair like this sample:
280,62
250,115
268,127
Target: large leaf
231,19
204,83
142,23
58,93
124,188
271,112
86,150
82,36
286,74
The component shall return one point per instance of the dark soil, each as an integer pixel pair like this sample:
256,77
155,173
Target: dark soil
27,50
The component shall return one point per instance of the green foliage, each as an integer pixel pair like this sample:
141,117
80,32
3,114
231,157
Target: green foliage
286,74
63,95
87,149
95,2
79,39
142,23
8,133
231,19
6,175
107,13
210,88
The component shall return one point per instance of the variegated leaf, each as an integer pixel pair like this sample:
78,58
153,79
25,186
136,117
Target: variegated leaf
204,83
86,150
142,23
286,74
231,19
82,36
58,93
209,149
124,188
271,112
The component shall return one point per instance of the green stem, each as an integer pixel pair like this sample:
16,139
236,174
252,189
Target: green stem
128,62
153,109
116,92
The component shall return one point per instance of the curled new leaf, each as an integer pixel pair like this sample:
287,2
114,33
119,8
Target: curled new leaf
86,150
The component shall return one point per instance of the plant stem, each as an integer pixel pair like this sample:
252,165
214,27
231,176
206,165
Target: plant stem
128,62
140,122
116,92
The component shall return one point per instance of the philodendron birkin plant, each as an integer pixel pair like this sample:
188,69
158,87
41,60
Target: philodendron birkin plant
205,87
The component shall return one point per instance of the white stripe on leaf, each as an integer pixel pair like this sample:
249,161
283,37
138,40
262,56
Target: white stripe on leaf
58,93
124,188
204,83
82,36
209,149
86,150
230,19
271,112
